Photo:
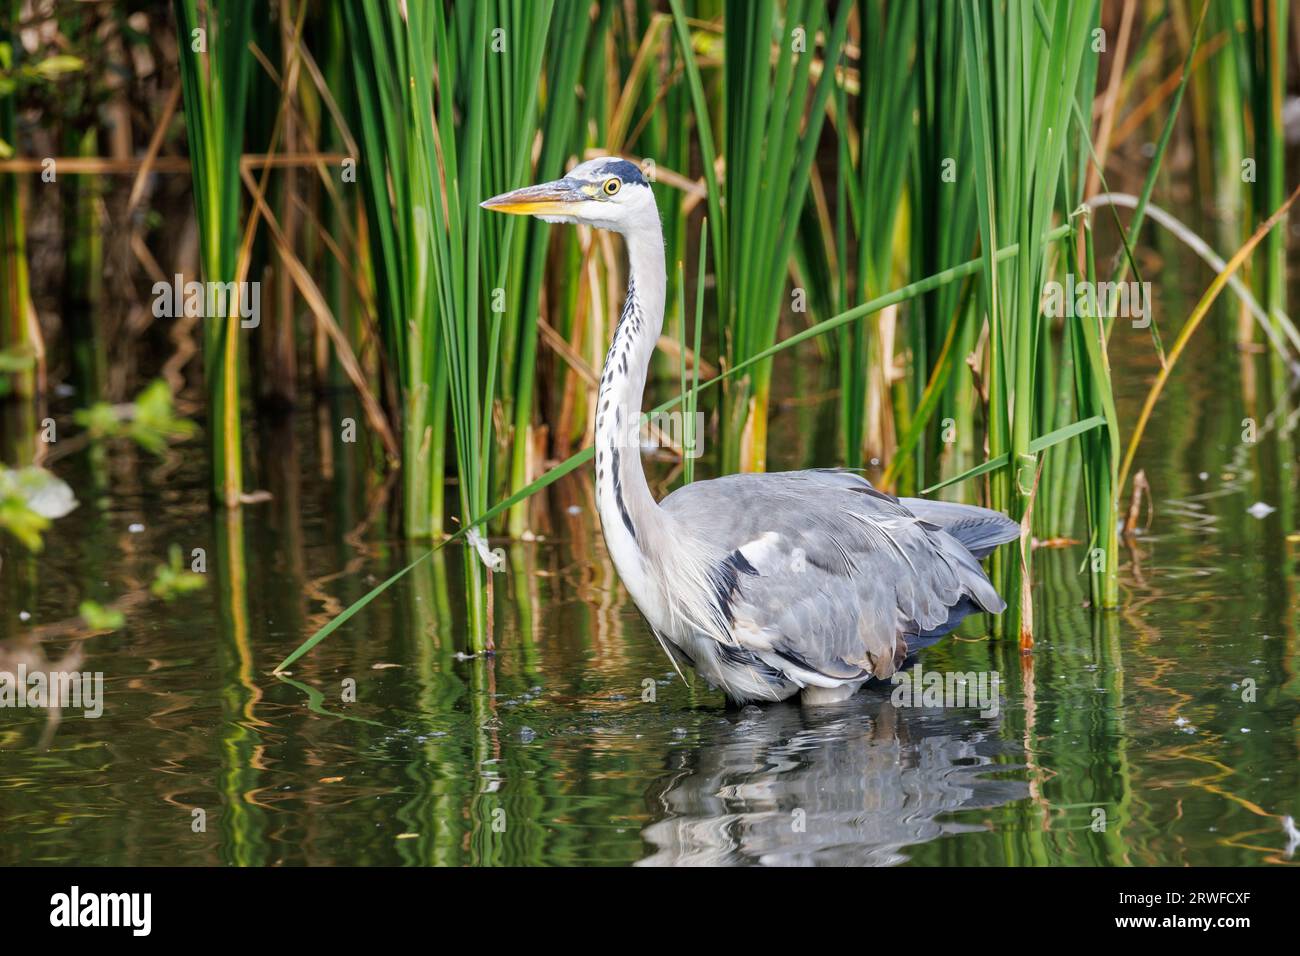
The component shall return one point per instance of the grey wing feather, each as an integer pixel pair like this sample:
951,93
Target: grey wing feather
841,578
979,529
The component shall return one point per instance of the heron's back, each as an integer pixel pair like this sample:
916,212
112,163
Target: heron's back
830,581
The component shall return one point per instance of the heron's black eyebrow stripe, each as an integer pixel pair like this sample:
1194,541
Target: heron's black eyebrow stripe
624,170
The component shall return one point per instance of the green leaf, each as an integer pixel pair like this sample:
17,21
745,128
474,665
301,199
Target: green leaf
346,615
100,618
150,421
1065,433
173,579
58,65
22,522
1040,444
993,464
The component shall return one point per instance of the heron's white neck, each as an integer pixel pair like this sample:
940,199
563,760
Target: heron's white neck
633,524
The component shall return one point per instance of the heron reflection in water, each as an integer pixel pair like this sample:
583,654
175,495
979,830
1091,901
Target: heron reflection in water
852,785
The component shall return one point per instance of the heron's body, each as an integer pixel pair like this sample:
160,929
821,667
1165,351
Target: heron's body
767,585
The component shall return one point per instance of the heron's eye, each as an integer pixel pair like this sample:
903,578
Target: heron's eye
612,186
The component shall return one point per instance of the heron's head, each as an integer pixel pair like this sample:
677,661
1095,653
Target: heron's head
608,193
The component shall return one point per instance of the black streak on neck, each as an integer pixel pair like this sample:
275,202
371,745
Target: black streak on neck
618,492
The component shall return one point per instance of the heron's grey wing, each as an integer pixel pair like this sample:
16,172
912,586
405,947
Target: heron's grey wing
832,577
979,529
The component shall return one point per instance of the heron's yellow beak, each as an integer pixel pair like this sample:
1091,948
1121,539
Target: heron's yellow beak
545,199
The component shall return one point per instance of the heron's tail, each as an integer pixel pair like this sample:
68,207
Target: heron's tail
979,529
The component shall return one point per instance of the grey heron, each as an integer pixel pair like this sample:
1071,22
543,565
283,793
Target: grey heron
768,585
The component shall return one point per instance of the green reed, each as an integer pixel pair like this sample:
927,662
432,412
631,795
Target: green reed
773,119
84,272
17,353
869,208
387,122
1229,144
1021,86
215,86
1268,68
520,247
942,407
448,108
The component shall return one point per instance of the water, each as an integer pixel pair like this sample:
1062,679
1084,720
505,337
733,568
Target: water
1163,733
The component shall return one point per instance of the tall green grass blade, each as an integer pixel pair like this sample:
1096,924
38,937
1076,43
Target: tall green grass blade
692,399
1021,82
1037,446
215,89
571,42
773,118
15,297
943,326
874,190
